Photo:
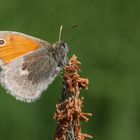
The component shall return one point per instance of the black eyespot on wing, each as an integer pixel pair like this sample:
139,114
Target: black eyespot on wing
2,42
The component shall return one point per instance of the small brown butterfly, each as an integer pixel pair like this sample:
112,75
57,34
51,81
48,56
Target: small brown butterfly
29,64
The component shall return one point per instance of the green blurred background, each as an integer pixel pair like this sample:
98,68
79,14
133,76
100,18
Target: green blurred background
107,43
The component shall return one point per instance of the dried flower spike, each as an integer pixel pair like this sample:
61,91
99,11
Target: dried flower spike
69,110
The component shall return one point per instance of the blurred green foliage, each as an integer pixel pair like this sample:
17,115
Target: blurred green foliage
107,43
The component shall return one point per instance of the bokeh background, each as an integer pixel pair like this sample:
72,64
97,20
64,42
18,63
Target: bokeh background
106,41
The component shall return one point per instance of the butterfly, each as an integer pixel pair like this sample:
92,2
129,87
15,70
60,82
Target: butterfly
29,64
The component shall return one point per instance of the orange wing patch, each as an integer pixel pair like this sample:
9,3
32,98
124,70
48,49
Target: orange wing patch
16,46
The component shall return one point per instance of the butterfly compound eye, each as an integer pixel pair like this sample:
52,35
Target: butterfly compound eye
2,42
63,44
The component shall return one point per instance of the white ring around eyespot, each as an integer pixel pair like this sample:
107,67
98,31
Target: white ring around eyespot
3,43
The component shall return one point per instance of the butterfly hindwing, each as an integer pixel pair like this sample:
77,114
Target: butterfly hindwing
28,76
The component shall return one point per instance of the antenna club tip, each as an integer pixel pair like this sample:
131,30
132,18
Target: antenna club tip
61,27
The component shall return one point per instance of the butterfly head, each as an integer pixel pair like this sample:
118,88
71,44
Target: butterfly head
60,52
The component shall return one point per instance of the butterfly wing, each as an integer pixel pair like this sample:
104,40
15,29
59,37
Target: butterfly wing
28,76
29,64
15,45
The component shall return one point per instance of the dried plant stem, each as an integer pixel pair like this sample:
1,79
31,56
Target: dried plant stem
69,109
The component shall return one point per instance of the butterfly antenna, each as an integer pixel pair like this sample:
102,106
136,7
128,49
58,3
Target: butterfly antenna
60,33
